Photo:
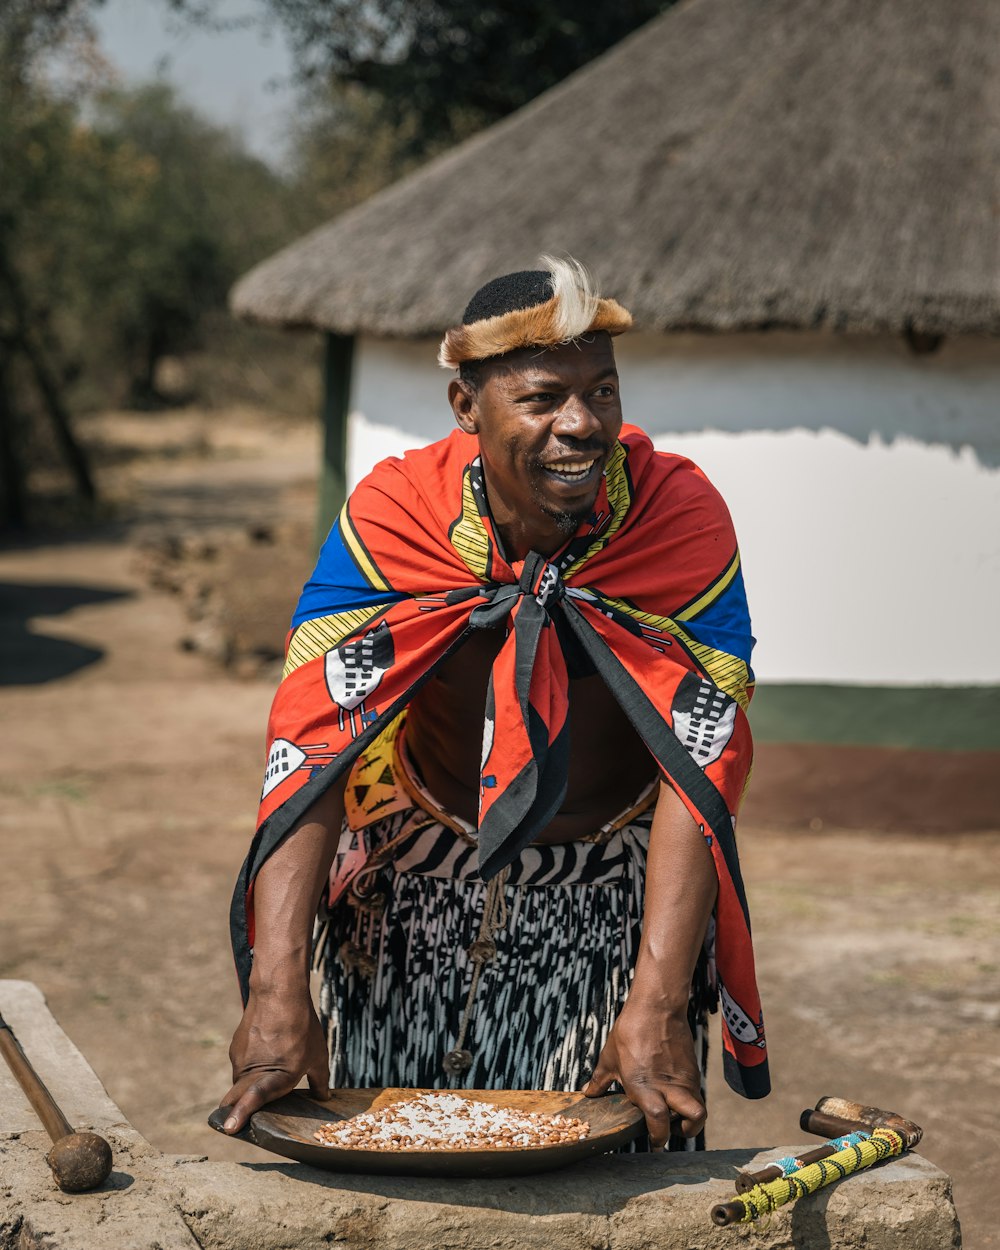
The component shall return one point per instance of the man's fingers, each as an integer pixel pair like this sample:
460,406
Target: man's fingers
668,1109
692,1126
249,1097
687,1110
230,1101
319,1082
598,1085
601,1081
655,1108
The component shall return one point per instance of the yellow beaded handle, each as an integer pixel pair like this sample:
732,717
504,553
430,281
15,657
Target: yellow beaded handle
884,1143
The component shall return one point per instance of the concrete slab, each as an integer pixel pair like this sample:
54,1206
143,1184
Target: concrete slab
653,1202
614,1203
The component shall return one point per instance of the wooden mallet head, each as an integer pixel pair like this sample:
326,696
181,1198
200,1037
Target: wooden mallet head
834,1116
80,1161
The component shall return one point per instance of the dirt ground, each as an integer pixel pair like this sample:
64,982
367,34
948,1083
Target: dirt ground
129,777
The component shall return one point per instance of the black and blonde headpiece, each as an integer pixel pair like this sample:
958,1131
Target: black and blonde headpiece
531,308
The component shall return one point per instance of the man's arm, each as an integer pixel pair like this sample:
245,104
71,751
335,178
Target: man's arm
650,1051
280,1039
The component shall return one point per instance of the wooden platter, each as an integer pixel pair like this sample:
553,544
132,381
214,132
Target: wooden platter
286,1127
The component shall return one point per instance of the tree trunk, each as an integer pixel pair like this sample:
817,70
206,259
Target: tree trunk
11,472
21,339
76,457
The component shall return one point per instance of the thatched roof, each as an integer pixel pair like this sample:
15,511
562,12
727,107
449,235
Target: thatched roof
734,164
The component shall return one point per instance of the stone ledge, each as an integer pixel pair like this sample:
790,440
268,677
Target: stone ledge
613,1203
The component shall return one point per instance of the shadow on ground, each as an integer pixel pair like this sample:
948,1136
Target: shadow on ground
30,658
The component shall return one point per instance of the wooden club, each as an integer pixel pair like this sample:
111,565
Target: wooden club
79,1161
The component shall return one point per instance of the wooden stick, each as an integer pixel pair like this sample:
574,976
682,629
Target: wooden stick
820,1124
79,1161
42,1102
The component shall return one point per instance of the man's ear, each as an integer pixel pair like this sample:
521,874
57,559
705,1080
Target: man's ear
465,405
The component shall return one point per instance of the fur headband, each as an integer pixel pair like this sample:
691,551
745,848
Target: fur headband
531,308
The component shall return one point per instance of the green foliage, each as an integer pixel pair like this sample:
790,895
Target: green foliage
344,148
40,163
124,216
30,30
388,83
440,69
187,213
124,219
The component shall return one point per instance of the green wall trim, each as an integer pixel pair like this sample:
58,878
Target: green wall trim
939,718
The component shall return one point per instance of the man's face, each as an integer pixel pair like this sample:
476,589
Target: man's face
547,421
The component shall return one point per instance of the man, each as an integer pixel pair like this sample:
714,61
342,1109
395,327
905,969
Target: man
513,721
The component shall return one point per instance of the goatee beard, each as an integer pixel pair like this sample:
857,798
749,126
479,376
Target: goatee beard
566,522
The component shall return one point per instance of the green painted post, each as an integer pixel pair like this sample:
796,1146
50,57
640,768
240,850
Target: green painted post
338,357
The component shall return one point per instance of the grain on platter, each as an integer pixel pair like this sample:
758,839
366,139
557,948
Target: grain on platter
447,1121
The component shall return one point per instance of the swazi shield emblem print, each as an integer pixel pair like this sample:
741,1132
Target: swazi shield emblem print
355,670
703,718
283,758
288,759
742,1027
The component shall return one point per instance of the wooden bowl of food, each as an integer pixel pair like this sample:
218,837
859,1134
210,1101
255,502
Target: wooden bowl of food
418,1132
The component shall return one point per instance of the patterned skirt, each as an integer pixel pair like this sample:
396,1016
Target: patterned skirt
397,970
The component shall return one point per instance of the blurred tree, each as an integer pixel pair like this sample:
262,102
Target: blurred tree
189,211
418,75
36,152
440,69
343,149
123,220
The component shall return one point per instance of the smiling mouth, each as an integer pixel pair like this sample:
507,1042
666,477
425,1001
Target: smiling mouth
572,471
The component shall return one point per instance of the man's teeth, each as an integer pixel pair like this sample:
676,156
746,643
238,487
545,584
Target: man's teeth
570,469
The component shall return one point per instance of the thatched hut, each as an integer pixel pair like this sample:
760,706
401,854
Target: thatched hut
800,202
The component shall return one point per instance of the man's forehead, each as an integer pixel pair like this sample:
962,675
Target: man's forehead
591,357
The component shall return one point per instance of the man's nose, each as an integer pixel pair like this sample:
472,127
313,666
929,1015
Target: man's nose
576,419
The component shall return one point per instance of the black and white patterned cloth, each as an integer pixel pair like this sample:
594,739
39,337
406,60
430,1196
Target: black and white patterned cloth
396,977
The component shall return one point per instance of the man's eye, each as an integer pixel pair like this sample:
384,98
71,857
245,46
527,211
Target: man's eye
605,392
540,397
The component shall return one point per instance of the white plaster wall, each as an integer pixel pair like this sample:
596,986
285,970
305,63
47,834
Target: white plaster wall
864,483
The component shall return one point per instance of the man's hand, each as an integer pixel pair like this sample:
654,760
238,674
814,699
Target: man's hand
650,1052
278,1041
